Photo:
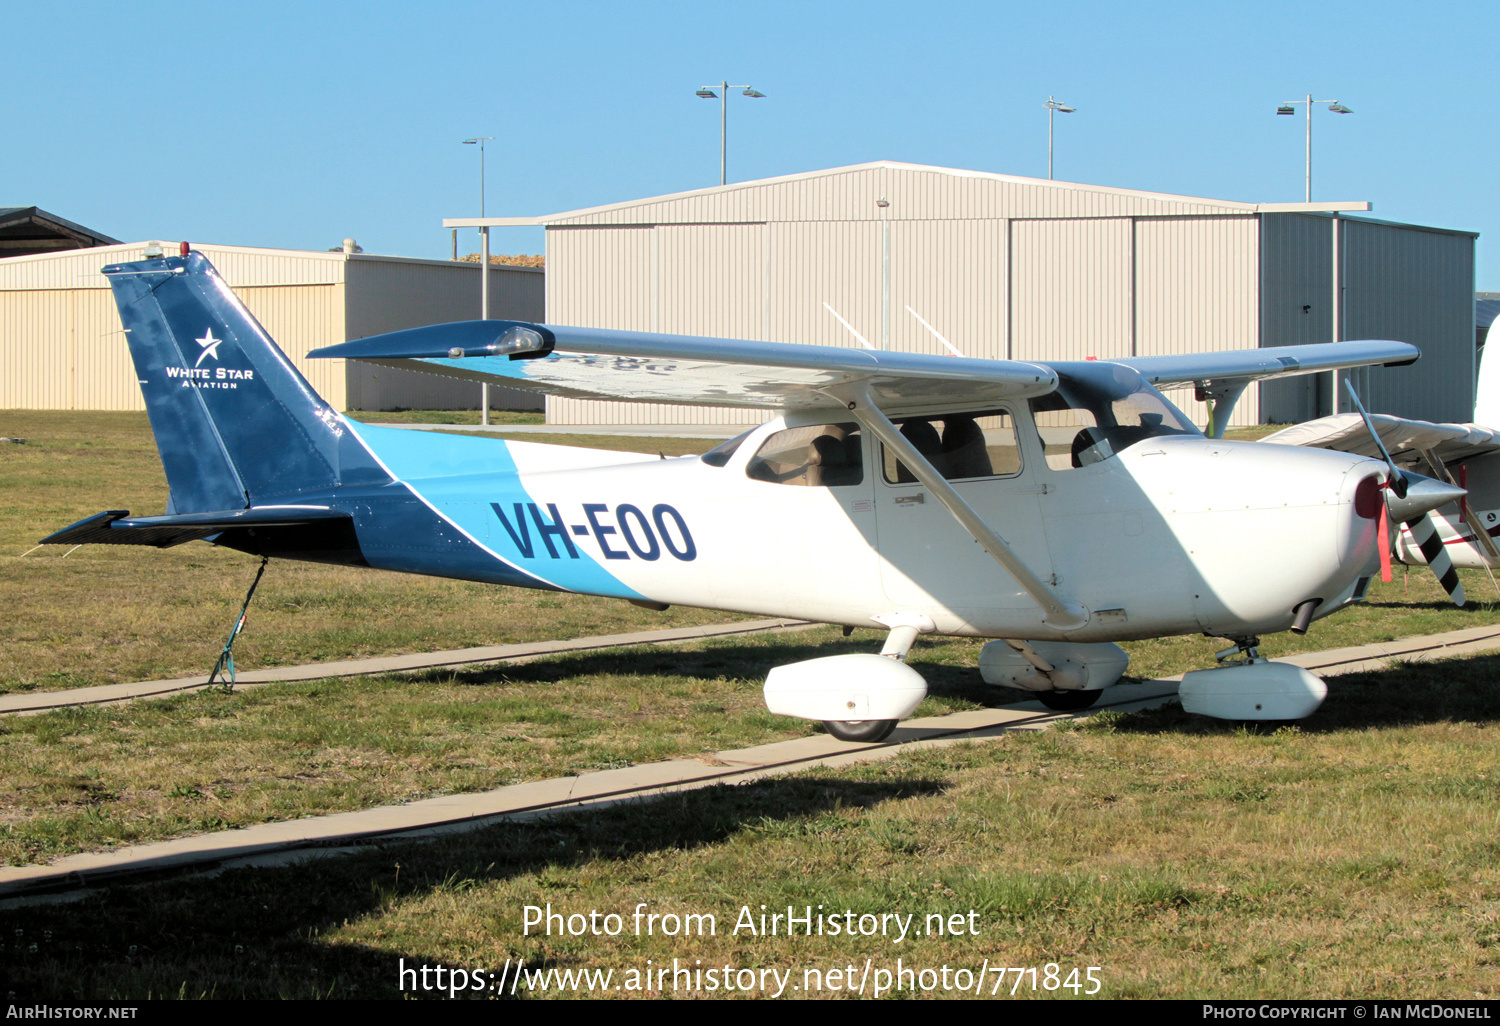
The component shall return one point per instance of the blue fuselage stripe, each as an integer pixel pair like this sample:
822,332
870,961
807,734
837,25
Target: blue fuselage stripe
490,522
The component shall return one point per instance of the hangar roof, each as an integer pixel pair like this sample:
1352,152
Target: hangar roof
28,230
890,190
240,265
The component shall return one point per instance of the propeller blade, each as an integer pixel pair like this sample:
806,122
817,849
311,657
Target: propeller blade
1396,482
1412,500
1425,533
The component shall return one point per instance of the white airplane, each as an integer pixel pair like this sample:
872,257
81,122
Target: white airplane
1055,507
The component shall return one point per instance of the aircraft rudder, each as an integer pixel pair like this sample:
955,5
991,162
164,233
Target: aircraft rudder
234,420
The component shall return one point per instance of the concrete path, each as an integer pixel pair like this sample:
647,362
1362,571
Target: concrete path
272,843
106,694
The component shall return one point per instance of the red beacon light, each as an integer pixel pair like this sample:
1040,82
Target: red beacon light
186,249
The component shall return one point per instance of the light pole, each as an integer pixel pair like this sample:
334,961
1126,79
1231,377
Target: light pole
1333,105
1054,105
484,271
707,93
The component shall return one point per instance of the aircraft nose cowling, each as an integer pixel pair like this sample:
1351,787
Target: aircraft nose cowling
1268,527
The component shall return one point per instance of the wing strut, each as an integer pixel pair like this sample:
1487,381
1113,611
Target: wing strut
1060,613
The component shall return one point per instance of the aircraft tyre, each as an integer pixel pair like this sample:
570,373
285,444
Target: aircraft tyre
1068,701
866,731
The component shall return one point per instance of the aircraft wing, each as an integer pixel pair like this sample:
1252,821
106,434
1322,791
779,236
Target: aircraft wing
634,366
1247,365
1405,439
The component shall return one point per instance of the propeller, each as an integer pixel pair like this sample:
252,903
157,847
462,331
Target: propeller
1412,500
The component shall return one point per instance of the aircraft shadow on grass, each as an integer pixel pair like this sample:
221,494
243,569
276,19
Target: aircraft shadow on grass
1405,694
748,664
253,932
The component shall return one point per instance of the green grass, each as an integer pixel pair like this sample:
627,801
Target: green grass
1351,857
154,613
97,777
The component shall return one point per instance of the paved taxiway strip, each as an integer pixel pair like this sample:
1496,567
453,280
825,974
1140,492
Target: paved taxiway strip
293,840
106,694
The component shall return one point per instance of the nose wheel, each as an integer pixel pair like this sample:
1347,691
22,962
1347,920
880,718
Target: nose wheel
863,731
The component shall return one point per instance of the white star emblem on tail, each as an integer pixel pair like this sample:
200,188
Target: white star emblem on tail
210,345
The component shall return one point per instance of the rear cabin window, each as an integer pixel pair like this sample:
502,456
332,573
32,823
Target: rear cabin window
959,446
823,455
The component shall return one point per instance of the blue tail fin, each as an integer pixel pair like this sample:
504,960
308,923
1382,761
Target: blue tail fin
234,420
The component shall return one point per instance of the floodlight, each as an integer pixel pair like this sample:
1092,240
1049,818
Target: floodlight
1053,105
708,93
1339,108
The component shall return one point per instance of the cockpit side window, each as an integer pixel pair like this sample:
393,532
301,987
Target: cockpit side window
959,446
1099,410
821,455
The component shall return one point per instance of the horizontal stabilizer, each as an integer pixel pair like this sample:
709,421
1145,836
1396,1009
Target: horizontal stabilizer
118,527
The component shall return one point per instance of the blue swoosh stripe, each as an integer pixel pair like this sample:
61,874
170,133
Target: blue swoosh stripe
460,477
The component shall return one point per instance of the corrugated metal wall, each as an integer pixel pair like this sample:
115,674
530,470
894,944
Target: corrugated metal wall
998,289
1296,307
61,346
301,318
1072,282
62,349
391,295
1395,281
1006,267
711,280
1416,286
611,285
955,274
619,268
1195,291
814,263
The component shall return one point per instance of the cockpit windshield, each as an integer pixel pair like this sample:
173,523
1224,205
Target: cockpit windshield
719,454
1101,409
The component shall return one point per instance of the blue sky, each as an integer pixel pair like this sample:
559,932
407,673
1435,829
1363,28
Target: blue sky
295,125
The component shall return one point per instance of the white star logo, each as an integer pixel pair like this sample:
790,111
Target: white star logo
210,346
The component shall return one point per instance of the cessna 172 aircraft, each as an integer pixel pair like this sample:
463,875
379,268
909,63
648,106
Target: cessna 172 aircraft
896,490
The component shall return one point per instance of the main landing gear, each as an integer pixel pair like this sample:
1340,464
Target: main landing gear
1068,701
857,697
1246,686
863,731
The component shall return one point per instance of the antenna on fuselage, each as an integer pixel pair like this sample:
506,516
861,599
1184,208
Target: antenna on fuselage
846,324
935,333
